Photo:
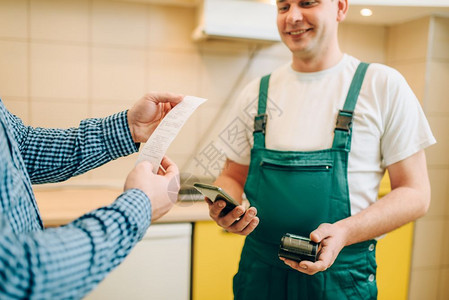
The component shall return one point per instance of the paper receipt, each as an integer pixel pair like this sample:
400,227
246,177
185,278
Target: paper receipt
169,127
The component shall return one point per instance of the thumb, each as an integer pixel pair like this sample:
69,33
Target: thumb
320,233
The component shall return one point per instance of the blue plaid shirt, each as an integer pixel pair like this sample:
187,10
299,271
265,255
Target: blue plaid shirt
69,261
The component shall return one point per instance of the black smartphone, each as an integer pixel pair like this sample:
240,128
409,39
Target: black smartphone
215,193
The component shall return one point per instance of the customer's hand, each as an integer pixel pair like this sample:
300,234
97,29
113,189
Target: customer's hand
146,114
162,189
236,221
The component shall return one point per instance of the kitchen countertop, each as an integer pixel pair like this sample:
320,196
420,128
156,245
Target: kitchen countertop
59,206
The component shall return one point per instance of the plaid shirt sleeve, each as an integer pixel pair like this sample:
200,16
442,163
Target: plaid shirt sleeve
67,262
54,155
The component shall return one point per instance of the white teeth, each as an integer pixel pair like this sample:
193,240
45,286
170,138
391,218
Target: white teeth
298,32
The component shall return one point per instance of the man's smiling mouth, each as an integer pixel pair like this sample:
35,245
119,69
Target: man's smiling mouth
298,32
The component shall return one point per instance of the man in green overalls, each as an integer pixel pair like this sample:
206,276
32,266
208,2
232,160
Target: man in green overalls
325,129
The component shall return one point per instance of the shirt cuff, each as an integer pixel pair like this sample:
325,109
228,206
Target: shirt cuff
118,139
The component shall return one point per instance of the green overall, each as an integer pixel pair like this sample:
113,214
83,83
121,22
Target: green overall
295,192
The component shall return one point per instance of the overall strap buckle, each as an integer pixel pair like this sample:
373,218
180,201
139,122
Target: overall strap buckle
344,120
260,123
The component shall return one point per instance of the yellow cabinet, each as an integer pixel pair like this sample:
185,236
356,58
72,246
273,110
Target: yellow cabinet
216,254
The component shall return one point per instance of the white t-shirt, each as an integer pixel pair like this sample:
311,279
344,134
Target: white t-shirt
389,124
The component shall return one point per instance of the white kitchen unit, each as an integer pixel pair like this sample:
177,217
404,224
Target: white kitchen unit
158,268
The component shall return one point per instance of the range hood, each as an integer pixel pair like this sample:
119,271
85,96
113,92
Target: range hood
236,19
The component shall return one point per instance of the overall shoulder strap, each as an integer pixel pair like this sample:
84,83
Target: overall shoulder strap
260,120
343,128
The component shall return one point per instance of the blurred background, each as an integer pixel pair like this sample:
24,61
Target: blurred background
65,60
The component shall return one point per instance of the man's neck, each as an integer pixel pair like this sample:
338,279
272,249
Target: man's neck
314,63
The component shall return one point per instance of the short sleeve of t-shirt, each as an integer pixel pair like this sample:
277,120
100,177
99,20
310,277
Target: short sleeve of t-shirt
406,130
